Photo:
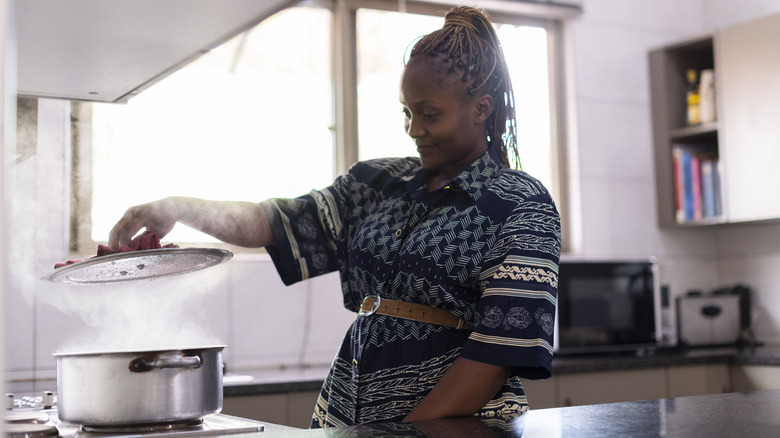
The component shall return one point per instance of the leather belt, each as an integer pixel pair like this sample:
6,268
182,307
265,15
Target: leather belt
416,312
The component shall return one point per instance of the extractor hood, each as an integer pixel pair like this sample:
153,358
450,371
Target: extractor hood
111,50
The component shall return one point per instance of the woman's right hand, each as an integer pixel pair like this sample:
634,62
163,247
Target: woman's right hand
234,222
158,216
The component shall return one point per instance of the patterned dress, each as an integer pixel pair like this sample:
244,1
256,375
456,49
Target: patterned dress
486,248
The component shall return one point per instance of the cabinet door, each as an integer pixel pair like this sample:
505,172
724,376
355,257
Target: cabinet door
748,70
755,377
541,394
699,380
612,386
292,409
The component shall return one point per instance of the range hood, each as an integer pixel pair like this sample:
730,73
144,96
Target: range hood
111,50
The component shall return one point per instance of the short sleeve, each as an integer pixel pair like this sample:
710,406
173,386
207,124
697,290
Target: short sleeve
515,315
308,233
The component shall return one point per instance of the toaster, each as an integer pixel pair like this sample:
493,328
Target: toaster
709,319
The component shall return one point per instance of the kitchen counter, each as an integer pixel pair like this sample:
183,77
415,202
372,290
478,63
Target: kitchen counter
667,357
292,379
751,414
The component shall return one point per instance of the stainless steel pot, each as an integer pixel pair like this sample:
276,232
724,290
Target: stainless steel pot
142,387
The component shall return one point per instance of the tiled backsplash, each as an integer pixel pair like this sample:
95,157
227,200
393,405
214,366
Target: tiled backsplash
241,303
262,322
611,206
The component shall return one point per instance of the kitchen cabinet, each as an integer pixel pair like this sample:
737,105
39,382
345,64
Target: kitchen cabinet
749,68
290,408
111,50
611,386
698,380
745,136
542,393
583,388
755,377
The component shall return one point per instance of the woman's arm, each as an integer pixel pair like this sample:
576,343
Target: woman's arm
463,390
238,223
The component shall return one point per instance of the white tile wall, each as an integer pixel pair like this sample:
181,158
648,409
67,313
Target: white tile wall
610,44
721,13
241,303
265,323
618,139
610,62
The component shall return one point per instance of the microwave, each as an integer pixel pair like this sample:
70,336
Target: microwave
608,306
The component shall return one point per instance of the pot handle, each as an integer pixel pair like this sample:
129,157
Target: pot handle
140,365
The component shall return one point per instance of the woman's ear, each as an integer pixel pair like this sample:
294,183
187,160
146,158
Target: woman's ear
484,107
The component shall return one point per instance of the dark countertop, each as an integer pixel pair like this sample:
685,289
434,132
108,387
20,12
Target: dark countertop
750,414
666,357
293,379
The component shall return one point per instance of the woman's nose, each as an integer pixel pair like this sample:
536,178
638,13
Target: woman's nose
413,129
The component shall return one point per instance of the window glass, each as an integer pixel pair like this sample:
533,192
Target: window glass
254,119
383,40
250,120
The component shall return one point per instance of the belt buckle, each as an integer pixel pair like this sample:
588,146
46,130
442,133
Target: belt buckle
374,307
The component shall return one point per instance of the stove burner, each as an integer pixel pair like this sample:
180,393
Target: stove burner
145,428
30,430
26,416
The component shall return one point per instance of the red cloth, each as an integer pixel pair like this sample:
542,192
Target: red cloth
147,240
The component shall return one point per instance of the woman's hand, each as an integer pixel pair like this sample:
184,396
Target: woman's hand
463,390
158,216
237,223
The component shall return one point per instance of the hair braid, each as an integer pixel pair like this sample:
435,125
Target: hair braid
469,44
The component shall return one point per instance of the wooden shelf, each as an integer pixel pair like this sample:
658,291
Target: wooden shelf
694,132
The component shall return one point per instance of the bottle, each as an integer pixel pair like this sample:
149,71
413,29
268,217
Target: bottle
692,98
707,112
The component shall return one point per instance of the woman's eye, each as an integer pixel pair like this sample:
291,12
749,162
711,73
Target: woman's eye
406,112
429,116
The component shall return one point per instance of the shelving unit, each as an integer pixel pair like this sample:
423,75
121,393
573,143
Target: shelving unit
746,135
668,68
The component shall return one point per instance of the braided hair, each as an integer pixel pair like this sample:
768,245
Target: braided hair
469,44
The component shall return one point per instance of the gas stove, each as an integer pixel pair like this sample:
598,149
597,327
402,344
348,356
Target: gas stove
36,416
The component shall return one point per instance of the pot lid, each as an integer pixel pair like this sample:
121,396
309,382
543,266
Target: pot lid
146,264
146,350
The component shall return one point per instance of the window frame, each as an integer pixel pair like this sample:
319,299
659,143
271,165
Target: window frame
551,16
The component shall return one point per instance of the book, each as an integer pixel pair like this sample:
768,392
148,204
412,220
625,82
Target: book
687,185
718,171
696,184
679,186
696,192
708,188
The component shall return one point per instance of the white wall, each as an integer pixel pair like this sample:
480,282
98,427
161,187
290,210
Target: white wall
616,186
5,107
265,324
241,303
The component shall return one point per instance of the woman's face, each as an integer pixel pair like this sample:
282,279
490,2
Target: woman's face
446,123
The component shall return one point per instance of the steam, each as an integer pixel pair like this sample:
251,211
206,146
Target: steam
145,314
163,313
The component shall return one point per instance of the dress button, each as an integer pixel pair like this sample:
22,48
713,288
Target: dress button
399,232
354,363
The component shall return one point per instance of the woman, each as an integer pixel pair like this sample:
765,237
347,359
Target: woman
450,259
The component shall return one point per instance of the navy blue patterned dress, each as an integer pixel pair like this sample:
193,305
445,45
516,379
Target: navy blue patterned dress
486,248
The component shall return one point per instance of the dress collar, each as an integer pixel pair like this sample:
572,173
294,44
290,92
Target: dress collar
473,179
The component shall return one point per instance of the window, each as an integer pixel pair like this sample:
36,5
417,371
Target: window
250,120
255,117
384,37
